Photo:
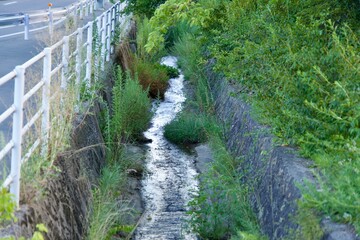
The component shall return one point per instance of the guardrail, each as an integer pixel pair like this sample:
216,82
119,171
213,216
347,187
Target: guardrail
81,60
80,9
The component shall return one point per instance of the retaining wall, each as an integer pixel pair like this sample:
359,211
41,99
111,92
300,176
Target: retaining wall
274,171
64,204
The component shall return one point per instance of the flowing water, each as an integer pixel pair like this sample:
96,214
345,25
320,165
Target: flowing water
172,175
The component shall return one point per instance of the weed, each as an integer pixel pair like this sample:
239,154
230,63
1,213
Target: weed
186,129
131,109
297,62
107,209
152,76
222,206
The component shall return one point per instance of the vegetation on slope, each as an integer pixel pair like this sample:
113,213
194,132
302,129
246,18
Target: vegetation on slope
221,208
298,64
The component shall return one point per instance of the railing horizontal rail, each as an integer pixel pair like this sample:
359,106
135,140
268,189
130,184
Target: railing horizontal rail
8,180
58,44
7,77
31,150
34,60
80,8
56,70
74,56
32,91
7,113
6,149
31,122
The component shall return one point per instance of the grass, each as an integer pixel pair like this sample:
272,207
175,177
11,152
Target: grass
152,76
40,167
130,116
109,210
221,209
187,129
296,62
130,107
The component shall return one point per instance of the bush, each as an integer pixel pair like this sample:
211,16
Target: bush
142,7
187,128
222,207
152,77
298,62
171,72
131,109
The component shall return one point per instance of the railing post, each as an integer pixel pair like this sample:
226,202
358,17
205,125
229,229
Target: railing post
45,124
65,62
108,35
75,15
98,48
81,10
50,23
116,13
86,8
103,42
89,54
78,59
26,26
92,7
16,132
113,25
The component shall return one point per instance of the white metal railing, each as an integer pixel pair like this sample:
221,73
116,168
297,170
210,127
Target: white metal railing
83,67
80,9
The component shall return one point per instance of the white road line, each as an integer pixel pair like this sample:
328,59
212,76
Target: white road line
9,3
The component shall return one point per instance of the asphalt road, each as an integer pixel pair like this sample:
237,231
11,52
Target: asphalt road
16,6
15,51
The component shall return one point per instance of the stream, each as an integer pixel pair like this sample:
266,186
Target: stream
171,178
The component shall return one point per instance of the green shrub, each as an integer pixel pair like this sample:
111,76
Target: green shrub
142,7
222,207
187,128
152,77
131,109
298,61
7,207
171,72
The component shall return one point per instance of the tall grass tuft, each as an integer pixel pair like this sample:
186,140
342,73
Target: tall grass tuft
108,211
152,76
222,207
131,109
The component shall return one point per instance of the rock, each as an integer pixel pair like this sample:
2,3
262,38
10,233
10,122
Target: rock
203,157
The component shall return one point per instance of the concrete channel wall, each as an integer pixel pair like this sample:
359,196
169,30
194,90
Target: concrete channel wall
64,205
274,171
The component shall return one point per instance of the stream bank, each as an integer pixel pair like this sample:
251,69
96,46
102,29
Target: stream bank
171,174
274,172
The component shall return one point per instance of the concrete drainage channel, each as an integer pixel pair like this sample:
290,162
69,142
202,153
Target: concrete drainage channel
171,173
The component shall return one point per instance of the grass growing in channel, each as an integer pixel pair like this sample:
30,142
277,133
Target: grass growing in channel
221,209
296,63
107,210
111,210
129,117
131,109
187,129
